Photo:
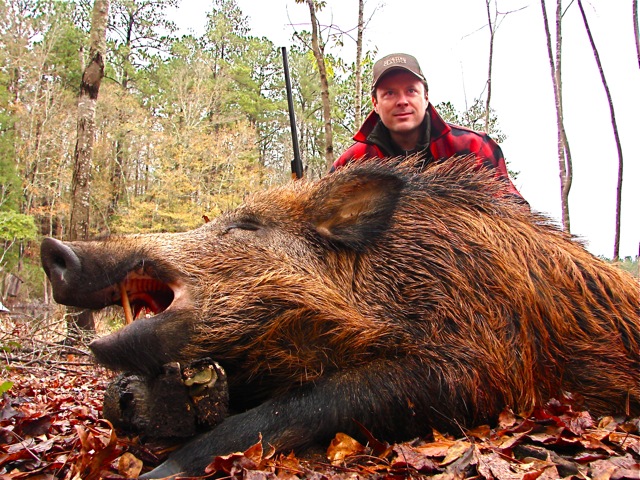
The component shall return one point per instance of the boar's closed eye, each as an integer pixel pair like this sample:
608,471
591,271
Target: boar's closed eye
247,226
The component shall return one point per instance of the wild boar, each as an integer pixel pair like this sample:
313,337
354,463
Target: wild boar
383,295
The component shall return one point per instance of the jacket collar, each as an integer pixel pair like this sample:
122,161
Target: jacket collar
438,126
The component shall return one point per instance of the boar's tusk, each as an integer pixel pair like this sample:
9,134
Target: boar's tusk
128,316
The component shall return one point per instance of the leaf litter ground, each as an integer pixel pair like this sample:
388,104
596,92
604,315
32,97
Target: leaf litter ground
51,427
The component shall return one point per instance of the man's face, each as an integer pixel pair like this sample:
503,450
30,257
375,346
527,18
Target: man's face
401,102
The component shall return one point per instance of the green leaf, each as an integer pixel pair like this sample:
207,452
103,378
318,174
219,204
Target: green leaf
5,386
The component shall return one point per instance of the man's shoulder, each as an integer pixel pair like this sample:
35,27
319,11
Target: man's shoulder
461,140
357,151
446,132
460,131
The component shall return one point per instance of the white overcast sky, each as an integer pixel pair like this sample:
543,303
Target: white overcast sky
450,40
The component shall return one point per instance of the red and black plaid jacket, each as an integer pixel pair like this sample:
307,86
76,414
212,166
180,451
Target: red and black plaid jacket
446,140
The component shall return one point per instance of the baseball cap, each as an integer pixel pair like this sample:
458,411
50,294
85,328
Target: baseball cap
396,61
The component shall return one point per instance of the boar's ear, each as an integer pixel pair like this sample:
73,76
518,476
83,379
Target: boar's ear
355,207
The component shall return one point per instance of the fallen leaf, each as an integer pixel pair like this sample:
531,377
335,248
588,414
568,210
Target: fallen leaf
234,463
506,419
435,449
482,432
492,465
550,434
455,452
626,441
288,467
412,457
129,465
34,425
379,448
578,422
506,443
343,446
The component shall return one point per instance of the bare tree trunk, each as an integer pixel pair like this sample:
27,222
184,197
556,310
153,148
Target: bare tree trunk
117,169
616,242
568,162
491,40
358,106
324,82
493,23
117,176
636,29
82,321
564,153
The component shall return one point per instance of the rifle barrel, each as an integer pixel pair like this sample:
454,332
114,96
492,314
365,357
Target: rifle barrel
296,163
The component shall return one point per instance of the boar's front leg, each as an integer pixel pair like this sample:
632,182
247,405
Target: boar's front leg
392,399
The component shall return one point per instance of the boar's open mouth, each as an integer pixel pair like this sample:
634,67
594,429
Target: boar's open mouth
156,338
141,293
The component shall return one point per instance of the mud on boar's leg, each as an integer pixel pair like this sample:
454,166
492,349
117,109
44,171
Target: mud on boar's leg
383,397
178,403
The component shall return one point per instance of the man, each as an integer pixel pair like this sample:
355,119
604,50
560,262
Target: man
403,123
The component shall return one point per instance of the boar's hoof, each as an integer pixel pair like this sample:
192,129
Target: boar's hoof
178,403
208,389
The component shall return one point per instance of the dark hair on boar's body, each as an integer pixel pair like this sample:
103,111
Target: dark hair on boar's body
400,299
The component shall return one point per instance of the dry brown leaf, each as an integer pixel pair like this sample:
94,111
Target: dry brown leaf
412,457
435,449
492,465
129,465
506,419
343,446
288,467
631,443
458,449
505,443
482,432
232,464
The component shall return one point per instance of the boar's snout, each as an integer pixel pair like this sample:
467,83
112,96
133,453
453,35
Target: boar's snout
62,266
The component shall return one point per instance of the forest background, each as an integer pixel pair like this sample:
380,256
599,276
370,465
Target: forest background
187,123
